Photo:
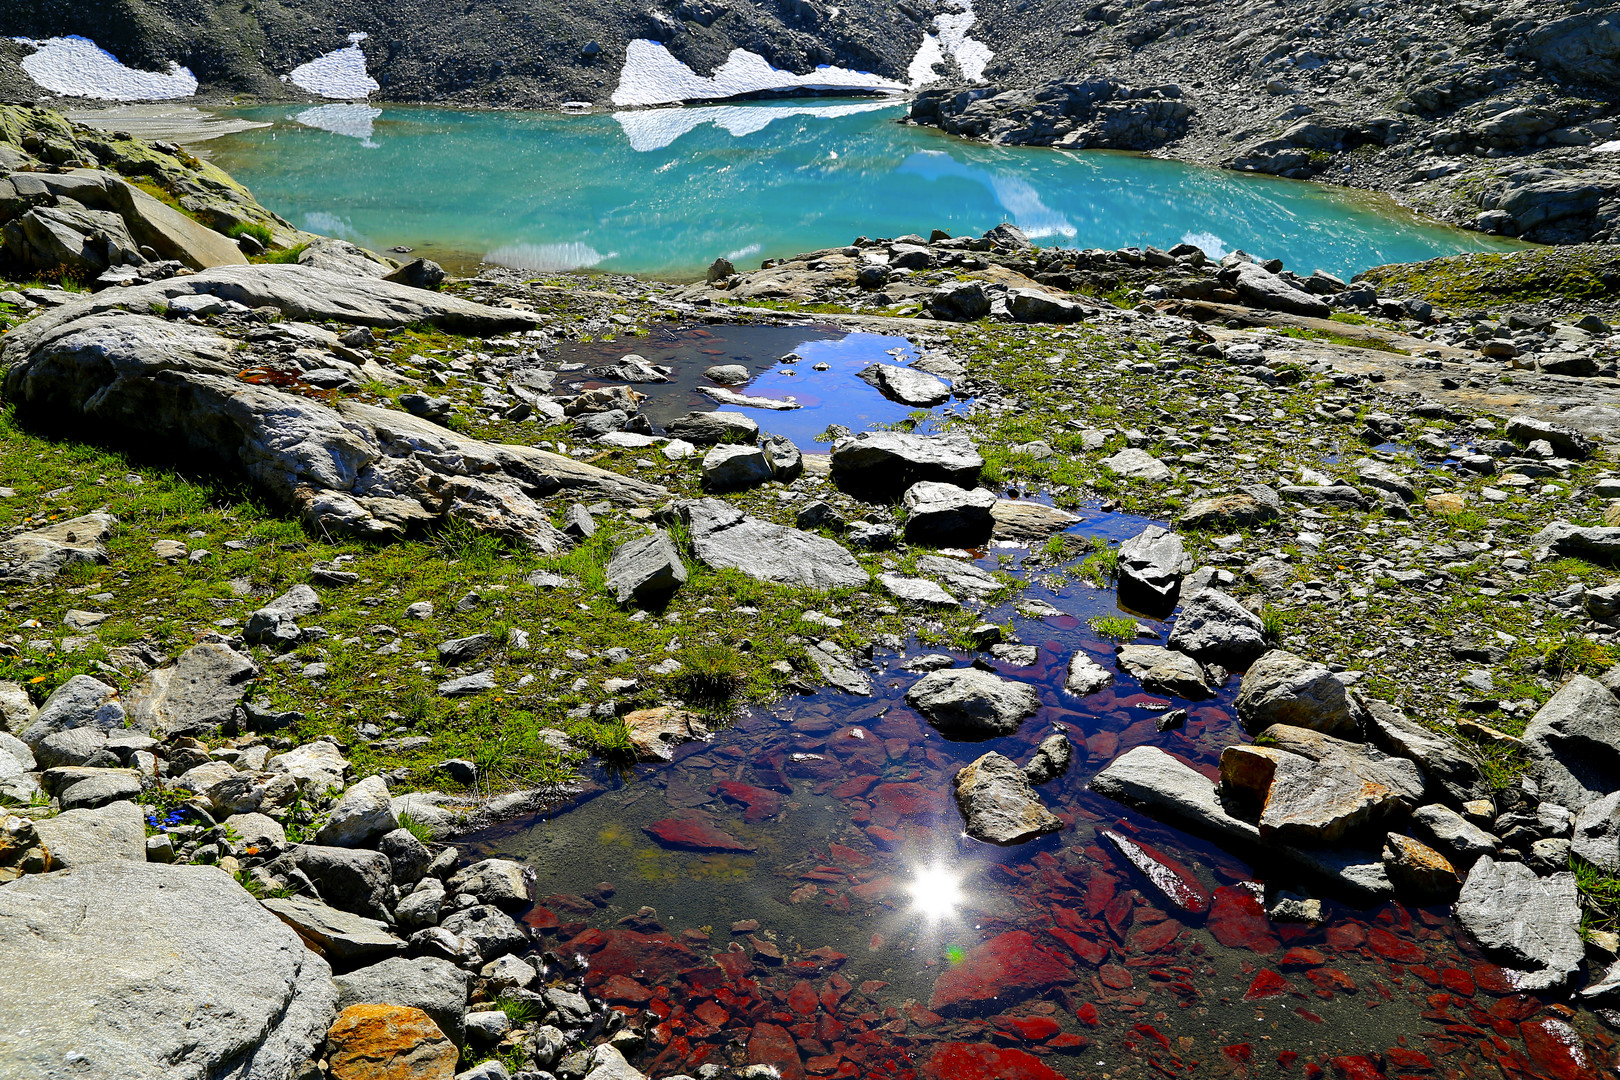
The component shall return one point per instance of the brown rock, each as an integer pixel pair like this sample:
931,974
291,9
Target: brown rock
388,1042
1445,503
1247,772
1316,803
656,732
1418,871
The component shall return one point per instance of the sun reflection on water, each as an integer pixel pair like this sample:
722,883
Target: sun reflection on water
936,893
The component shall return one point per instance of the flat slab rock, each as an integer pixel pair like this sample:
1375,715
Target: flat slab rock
141,970
1531,923
693,830
725,538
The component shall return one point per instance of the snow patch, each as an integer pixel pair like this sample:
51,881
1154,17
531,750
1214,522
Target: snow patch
352,120
1213,246
568,256
950,38
654,129
1611,147
338,74
79,67
653,76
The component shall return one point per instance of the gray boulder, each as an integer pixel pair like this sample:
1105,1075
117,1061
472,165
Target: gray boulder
29,558
339,934
731,466
1051,760
1040,306
277,622
1594,542
1281,688
892,461
969,704
997,803
500,882
723,537
489,930
1161,671
75,746
1085,676
1568,442
1337,496
418,274
85,787
316,766
1573,743
155,971
408,856
458,651
645,569
1367,763
1531,923
1132,463
906,385
361,817
1216,629
79,838
961,301
1151,565
708,428
917,591
435,986
837,668
198,694
1597,833
946,514
1448,763
1260,288
355,880
787,460
17,709
80,702
1459,840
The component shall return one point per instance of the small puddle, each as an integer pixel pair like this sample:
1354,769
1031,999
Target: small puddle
831,396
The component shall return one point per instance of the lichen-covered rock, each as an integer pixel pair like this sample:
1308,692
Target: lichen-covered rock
389,1042
997,803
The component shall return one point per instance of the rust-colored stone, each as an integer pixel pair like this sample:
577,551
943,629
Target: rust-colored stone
388,1042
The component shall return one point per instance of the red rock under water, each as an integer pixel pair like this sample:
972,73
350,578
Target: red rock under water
646,957
771,1044
759,802
1174,881
695,831
1000,971
1267,984
976,1061
1555,1050
1237,921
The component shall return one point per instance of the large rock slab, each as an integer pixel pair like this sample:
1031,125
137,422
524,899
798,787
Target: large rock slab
1215,629
946,514
723,537
966,703
998,973
1531,923
892,461
1132,463
998,804
1151,565
1446,762
1573,743
82,701
1368,763
1164,672
1281,688
32,557
78,838
141,970
198,694
339,934
906,385
1260,288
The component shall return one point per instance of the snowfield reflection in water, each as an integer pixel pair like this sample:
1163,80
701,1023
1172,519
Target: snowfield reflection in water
666,191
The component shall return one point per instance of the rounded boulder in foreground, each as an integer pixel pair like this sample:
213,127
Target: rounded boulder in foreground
967,704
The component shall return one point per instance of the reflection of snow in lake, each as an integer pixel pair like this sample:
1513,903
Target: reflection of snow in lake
78,66
653,76
1012,193
352,120
567,256
321,221
1212,245
338,74
654,129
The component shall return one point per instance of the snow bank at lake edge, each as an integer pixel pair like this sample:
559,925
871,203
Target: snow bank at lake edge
78,67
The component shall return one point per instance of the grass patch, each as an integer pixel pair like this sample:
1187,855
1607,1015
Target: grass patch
1113,627
280,255
711,673
259,232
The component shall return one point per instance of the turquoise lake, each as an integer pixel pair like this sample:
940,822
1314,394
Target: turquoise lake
666,191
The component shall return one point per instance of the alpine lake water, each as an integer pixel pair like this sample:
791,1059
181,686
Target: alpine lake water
797,890
665,191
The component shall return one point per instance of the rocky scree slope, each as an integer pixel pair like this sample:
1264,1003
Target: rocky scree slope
508,52
1499,116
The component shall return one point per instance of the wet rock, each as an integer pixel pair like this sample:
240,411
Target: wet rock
892,461
30,558
1051,760
646,569
1172,880
1135,464
725,538
997,803
837,667
939,513
1447,763
339,934
997,973
709,428
694,831
1085,676
965,703
1281,688
1215,629
906,385
654,733
197,979
1461,841
733,466
984,1061
1161,671
1419,872
1573,743
1529,922
1151,565
368,1042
